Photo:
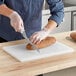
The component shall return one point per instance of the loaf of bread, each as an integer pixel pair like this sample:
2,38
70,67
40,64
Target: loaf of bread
44,43
73,36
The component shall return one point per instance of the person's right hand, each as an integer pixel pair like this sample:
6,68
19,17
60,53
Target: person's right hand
16,21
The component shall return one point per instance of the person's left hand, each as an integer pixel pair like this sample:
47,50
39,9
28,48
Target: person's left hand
38,36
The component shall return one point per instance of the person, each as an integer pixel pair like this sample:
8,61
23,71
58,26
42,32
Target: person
14,14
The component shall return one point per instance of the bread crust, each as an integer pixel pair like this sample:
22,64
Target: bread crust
73,36
44,43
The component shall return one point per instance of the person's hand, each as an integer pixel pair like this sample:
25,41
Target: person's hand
38,36
16,21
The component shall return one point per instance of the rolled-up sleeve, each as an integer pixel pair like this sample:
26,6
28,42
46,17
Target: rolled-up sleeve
56,10
1,2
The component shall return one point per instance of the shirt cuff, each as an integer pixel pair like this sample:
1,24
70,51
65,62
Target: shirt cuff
57,19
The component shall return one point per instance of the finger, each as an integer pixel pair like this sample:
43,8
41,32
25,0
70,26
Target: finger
34,41
18,27
37,38
32,35
34,38
22,24
14,26
38,41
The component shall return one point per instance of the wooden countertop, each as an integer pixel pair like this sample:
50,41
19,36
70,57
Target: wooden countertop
11,67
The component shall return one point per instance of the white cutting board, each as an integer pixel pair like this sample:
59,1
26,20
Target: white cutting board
20,53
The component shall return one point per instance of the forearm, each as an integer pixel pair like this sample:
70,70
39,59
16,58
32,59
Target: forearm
51,25
57,10
4,10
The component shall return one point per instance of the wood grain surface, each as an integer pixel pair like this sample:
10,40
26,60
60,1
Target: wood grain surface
11,67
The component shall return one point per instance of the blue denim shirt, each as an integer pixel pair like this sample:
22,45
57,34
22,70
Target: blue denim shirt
31,13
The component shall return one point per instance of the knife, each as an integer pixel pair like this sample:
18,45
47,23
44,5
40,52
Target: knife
27,39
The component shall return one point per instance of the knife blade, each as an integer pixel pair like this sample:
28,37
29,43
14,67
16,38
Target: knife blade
27,39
